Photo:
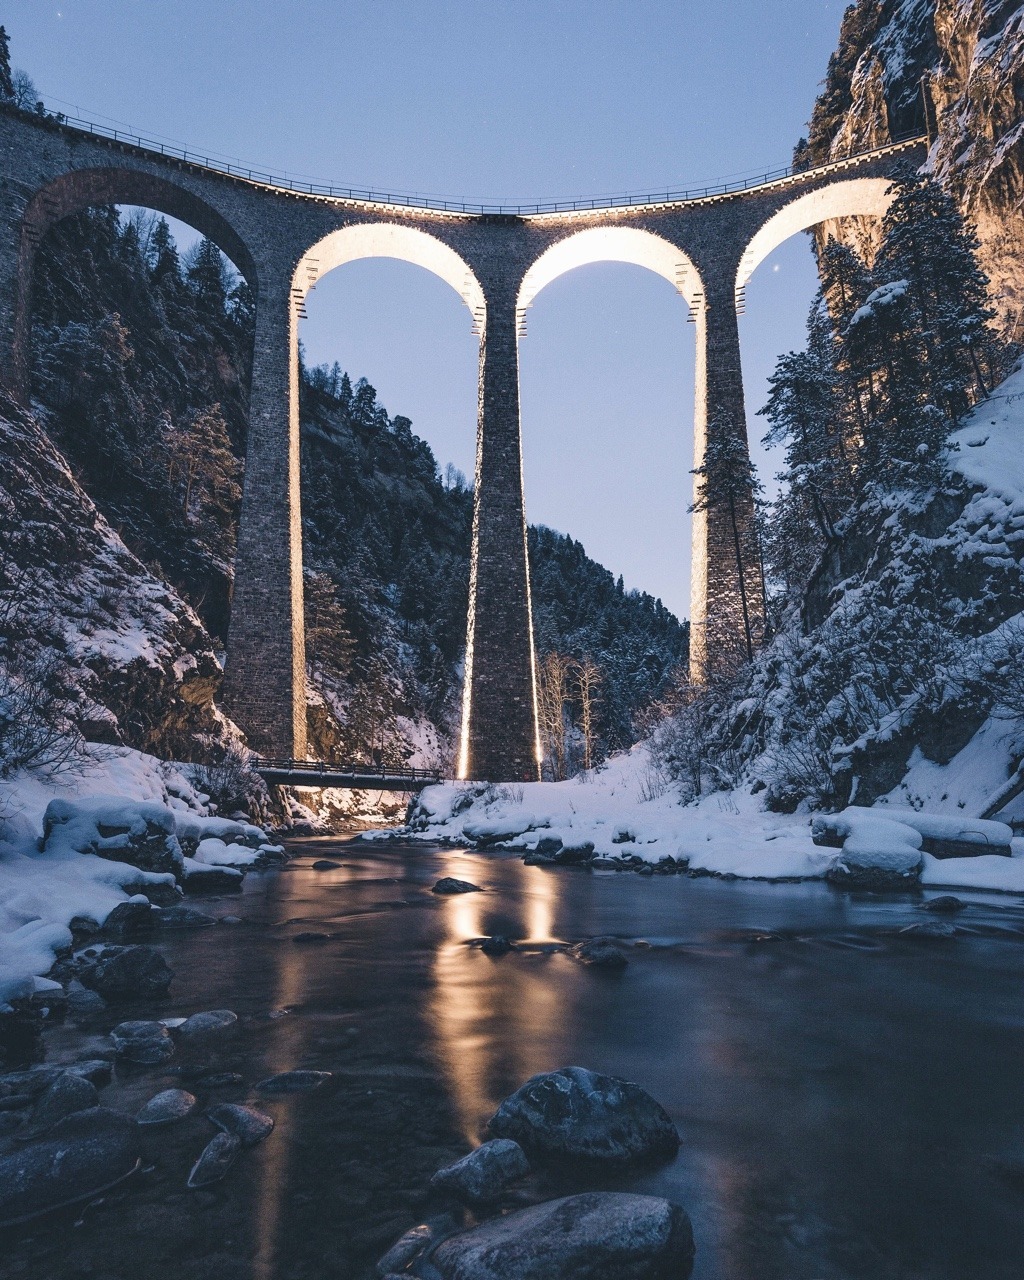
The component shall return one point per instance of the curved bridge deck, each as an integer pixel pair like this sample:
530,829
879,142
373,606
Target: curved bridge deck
357,777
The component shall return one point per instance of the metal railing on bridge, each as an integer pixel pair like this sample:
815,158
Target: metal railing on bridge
359,777
365,196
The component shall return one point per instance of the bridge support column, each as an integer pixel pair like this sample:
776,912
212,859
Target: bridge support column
264,686
499,710
727,608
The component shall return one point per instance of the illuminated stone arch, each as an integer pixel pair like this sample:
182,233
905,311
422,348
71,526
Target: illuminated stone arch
390,240
851,198
610,244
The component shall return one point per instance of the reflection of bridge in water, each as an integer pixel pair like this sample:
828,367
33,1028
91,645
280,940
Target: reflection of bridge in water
284,238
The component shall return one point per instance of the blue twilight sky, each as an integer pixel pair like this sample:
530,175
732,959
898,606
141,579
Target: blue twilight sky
508,100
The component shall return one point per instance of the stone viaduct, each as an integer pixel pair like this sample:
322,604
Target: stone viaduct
283,239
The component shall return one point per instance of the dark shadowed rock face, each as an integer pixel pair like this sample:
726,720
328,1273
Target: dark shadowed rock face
595,1236
83,1154
575,1114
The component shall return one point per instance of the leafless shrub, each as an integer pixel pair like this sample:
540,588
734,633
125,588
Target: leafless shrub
39,716
231,781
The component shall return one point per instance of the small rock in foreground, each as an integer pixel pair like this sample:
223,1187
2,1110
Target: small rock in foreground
600,953
202,1023
945,905
594,1236
485,1174
325,864
145,1044
66,1095
124,973
247,1124
217,1158
167,1107
575,1114
498,945
294,1082
414,1242
450,885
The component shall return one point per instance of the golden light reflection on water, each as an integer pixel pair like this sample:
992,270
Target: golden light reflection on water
290,983
494,1019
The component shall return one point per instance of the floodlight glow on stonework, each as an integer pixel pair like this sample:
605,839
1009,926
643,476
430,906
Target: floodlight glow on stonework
611,244
390,240
852,198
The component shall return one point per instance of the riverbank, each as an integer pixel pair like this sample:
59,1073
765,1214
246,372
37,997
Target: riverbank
623,816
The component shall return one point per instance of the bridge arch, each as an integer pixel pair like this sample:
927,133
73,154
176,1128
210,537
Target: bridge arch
81,189
631,245
390,240
850,198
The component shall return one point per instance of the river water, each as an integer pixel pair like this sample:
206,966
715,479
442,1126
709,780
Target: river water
851,1102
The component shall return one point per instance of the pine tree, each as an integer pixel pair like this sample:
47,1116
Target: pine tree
207,276
6,79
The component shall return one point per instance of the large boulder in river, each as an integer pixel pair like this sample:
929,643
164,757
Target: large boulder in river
82,1155
594,1236
575,1114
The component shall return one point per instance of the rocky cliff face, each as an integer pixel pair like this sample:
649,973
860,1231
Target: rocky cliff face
77,609
957,68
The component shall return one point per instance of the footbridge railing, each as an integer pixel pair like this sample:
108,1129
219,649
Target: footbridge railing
358,777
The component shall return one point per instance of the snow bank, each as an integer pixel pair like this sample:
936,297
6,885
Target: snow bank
618,811
59,842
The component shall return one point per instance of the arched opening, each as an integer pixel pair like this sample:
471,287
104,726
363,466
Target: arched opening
607,377
387,520
139,348
778,280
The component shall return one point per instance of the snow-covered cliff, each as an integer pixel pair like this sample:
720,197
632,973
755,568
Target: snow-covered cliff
955,67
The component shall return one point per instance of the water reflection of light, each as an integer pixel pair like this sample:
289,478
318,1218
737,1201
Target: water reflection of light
494,1019
273,1179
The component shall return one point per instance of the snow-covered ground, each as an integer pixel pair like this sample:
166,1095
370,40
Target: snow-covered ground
621,809
42,890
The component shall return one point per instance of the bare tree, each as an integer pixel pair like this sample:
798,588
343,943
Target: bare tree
552,673
587,679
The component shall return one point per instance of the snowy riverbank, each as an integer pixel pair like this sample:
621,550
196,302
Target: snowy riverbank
107,824
620,815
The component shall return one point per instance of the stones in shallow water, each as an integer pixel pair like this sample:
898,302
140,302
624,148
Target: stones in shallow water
594,1236
485,1174
572,855
218,1156
127,973
600,953
82,1155
203,1023
325,864
247,1124
576,1114
449,885
294,1082
499,945
144,1044
945,905
83,1003
96,1070
166,1107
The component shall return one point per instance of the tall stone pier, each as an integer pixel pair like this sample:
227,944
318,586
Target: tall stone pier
284,238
